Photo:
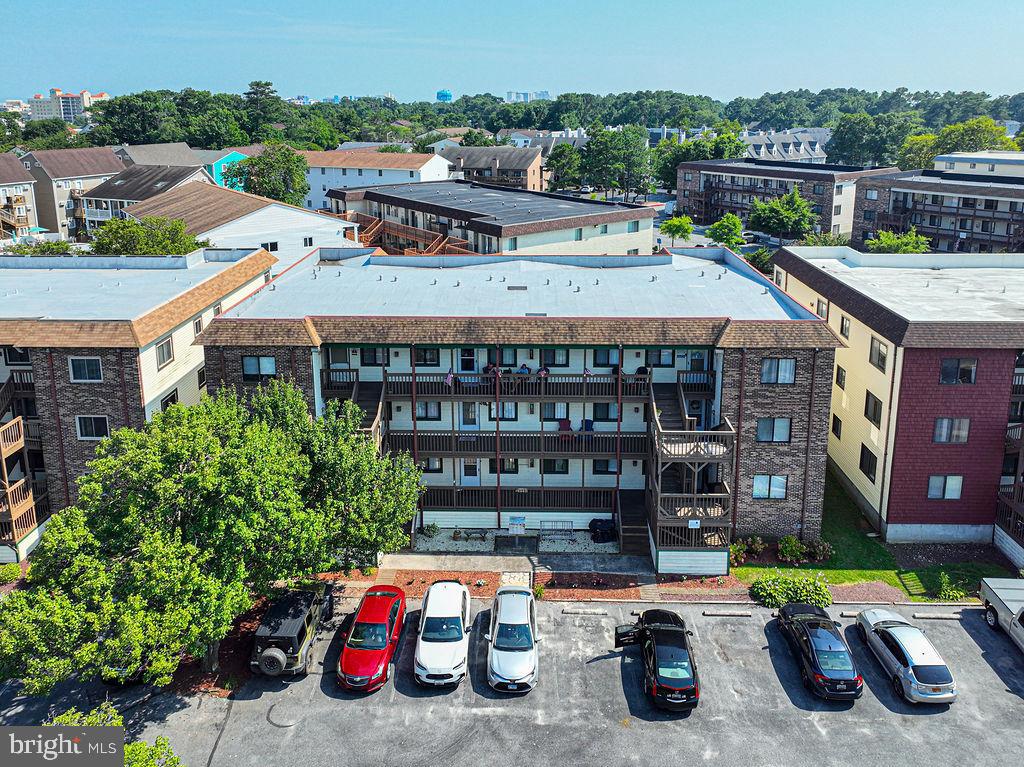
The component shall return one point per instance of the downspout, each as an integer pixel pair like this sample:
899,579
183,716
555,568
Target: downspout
807,448
60,430
890,428
736,444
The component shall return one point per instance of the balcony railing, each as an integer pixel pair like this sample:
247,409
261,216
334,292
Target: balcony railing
520,443
12,437
1018,385
579,498
555,386
1014,437
17,511
696,382
708,507
339,383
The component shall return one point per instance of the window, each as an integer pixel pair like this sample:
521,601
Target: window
92,427
871,194
603,229
945,487
258,369
513,244
822,308
431,465
770,486
201,377
958,371
359,172
217,309
773,429
269,246
604,466
164,353
373,357
633,226
837,210
837,426
508,356
660,358
869,215
508,465
170,399
950,165
555,358
873,408
878,354
554,411
868,463
606,412
951,430
85,369
687,177
427,357
554,466
197,326
819,189
605,358
633,252
307,242
16,356
844,326
778,370
839,189
577,235
428,411
509,411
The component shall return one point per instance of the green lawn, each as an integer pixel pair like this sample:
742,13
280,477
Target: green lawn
858,558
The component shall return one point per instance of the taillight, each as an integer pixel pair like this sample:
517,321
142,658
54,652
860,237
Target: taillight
696,690
654,690
858,680
820,678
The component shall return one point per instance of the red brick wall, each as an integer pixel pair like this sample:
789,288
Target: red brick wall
294,363
922,399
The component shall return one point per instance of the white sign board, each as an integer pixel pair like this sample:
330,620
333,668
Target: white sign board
694,524
517,525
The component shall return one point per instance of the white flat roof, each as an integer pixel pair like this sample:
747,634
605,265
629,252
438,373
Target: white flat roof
103,287
700,282
930,287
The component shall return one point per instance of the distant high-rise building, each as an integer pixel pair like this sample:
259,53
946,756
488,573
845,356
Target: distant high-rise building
525,97
63,106
444,96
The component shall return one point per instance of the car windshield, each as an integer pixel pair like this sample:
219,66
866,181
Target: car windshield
835,660
932,675
368,636
513,636
674,667
442,629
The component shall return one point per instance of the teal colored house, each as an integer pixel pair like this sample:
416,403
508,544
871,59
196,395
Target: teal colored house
216,160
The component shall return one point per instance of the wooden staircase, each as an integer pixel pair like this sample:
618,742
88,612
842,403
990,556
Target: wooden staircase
670,413
367,396
633,536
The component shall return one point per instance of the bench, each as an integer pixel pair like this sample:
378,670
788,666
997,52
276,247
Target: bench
556,528
478,533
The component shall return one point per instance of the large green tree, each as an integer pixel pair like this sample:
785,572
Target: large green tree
278,172
972,135
787,216
563,165
680,227
668,154
899,242
727,231
215,129
863,139
150,236
262,105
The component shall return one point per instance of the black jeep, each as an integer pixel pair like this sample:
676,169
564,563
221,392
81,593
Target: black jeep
284,639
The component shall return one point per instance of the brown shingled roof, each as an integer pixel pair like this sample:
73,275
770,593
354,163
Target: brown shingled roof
12,171
362,159
73,163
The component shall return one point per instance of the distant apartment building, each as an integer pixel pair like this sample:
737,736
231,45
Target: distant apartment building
520,137
682,396
708,189
784,146
62,177
228,218
90,344
928,388
17,198
467,217
63,106
971,202
340,170
518,168
525,97
18,106
134,184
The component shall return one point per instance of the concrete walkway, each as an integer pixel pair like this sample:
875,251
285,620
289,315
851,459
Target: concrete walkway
558,563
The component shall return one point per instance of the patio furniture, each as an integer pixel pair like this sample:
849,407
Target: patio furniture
476,533
556,528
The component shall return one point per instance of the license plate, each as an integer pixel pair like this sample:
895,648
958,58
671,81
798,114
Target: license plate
675,696
840,686
936,689
513,687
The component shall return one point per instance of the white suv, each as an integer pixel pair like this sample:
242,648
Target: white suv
513,663
442,642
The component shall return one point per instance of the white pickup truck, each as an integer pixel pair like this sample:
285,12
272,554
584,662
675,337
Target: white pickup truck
1004,606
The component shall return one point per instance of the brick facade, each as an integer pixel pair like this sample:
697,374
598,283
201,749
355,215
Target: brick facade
802,459
294,363
59,401
870,215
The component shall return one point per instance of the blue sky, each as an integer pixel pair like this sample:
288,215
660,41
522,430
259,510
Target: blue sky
722,48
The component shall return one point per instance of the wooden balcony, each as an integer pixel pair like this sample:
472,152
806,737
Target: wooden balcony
1014,438
555,387
696,383
540,498
1017,389
521,443
694,445
707,507
12,437
17,511
1010,511
339,384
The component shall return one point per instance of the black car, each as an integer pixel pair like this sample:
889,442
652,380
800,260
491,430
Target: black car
284,639
670,671
826,663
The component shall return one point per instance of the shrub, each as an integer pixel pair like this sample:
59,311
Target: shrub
820,550
949,591
756,546
737,554
775,589
538,591
9,573
791,549
431,530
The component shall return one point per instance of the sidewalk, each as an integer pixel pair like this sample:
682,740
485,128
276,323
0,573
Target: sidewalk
516,563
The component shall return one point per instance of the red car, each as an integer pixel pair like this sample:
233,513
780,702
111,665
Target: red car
372,639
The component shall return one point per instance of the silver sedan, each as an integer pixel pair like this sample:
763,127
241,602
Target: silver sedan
917,671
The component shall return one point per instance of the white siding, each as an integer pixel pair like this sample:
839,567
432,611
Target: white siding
322,179
478,518
489,519
1009,547
693,562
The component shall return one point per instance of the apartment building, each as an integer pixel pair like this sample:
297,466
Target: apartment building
342,170
708,189
17,199
969,202
62,178
784,146
227,218
134,184
467,217
63,106
928,389
514,167
91,344
682,395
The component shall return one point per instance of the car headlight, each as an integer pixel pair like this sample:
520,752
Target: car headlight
421,667
459,665
380,671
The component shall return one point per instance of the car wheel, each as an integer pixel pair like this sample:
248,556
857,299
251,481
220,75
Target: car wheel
897,687
992,618
272,661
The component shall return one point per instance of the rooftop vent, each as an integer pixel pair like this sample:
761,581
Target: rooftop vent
536,314
515,287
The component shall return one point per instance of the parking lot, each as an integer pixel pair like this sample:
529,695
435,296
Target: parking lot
588,708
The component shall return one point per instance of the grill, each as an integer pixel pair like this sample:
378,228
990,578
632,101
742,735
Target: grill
439,677
357,680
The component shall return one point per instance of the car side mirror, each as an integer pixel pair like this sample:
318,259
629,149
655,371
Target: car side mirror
487,637
838,625
537,639
468,629
689,633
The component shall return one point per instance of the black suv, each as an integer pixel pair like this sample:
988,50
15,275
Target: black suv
284,639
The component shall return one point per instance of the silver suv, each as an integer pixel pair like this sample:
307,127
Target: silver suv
513,663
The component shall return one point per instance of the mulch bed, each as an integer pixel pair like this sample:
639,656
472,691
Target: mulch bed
582,586
912,556
869,591
416,582
7,588
352,575
697,588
